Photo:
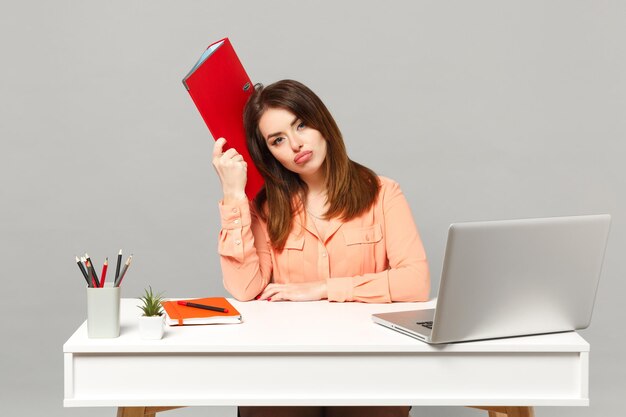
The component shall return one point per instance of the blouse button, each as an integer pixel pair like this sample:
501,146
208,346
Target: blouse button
237,242
236,221
235,210
324,254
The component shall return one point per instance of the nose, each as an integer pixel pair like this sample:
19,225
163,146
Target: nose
296,143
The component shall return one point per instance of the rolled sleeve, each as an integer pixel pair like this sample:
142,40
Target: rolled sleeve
234,219
235,216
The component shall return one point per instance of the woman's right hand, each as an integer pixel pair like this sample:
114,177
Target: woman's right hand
232,170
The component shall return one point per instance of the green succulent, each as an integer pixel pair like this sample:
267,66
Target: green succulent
151,303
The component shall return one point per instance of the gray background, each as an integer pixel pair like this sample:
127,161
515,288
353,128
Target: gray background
480,110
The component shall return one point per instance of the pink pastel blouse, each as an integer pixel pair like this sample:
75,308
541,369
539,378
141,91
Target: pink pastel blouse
377,257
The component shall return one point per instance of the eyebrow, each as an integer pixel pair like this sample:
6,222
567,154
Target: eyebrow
278,133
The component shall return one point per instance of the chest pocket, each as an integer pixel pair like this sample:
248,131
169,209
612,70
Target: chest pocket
295,242
360,243
363,235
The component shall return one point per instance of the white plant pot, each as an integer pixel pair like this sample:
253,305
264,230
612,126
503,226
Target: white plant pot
151,328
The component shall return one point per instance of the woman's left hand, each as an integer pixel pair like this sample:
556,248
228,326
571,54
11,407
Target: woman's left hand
306,291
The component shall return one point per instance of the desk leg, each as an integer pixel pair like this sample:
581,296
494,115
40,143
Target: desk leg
141,411
508,411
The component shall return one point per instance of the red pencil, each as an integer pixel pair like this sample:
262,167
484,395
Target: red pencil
104,272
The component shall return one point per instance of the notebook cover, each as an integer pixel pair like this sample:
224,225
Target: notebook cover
220,88
177,315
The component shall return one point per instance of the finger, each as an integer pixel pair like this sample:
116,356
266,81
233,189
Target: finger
268,292
265,294
280,296
276,297
262,296
229,154
277,294
217,148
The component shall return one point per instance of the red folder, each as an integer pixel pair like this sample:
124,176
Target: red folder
219,87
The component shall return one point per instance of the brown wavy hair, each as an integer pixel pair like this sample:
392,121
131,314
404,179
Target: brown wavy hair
351,188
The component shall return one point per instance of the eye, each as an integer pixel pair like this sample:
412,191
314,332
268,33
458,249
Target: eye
301,126
277,141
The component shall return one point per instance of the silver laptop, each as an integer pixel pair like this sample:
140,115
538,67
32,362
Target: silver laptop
512,278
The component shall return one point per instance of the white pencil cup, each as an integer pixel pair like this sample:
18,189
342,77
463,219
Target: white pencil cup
103,312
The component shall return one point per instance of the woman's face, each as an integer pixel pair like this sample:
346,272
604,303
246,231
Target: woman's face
299,148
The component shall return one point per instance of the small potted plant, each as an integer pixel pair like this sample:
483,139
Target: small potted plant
152,322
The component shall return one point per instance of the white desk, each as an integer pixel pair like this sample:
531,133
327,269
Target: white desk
318,353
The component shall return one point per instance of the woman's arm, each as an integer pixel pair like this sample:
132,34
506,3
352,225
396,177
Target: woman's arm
408,277
244,251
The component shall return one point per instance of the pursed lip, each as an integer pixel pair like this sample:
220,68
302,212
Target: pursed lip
301,155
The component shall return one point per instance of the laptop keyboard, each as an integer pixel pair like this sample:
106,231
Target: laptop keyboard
427,324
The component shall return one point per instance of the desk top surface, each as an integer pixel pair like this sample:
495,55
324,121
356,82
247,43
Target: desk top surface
290,327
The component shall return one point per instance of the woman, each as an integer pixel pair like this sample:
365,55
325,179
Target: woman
322,227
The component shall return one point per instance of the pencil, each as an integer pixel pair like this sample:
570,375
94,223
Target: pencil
123,273
203,306
117,268
93,270
104,272
92,283
82,270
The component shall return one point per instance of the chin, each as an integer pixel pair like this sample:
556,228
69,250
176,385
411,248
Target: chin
308,171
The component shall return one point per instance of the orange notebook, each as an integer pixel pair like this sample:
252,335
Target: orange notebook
219,87
179,315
